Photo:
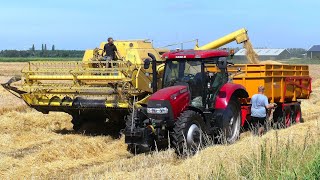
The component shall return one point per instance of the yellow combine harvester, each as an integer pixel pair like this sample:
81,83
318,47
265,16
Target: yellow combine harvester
96,90
90,90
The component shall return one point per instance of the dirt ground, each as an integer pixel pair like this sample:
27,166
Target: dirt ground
34,145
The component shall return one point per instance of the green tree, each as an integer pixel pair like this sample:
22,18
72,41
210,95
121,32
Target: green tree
297,52
33,48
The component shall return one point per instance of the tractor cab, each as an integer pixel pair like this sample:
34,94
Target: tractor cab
191,68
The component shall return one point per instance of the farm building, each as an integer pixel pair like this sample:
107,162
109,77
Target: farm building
314,52
265,54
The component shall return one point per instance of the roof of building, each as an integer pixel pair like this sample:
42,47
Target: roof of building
315,48
262,52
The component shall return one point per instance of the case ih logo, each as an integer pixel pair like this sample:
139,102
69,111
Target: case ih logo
181,56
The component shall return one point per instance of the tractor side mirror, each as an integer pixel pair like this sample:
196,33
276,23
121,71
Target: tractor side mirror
222,63
146,63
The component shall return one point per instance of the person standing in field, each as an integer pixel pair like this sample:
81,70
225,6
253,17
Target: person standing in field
110,50
259,106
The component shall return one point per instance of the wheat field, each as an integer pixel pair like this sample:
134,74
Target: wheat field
38,146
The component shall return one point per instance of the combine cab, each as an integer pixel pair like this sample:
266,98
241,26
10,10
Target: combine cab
200,96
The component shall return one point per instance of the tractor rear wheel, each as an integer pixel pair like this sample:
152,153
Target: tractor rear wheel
187,135
229,128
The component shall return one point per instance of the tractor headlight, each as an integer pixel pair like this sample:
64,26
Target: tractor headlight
162,110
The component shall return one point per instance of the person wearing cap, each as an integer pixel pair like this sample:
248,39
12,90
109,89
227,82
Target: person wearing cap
259,106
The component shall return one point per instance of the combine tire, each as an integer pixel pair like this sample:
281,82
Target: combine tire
229,128
99,124
77,123
187,135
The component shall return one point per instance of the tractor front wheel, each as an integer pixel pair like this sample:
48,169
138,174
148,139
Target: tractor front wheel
187,135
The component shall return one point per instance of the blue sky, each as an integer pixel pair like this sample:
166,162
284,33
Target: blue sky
82,24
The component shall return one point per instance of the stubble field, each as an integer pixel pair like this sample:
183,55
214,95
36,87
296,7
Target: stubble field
34,145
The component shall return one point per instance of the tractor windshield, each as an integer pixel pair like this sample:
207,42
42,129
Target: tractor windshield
185,72
182,72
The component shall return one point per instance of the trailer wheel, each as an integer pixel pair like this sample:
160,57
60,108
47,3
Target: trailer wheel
297,116
187,135
286,117
229,127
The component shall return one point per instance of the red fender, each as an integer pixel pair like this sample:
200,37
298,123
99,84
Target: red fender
226,93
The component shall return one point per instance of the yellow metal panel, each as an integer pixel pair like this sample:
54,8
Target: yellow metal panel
70,77
117,105
88,54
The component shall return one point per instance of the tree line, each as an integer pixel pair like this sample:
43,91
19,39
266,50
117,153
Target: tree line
44,52
297,52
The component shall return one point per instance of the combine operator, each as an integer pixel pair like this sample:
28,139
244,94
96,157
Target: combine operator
109,52
259,104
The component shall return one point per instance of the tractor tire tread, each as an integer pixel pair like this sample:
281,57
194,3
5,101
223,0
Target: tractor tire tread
178,135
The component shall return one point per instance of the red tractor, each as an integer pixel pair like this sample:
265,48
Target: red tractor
193,104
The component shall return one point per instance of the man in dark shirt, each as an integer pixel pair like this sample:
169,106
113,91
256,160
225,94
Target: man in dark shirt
110,50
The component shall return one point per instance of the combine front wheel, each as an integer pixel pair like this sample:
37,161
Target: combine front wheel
77,123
